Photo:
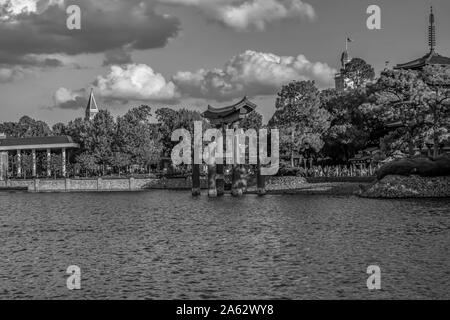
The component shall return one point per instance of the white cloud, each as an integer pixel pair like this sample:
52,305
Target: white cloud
131,82
67,99
63,95
11,74
11,8
135,82
15,7
252,73
244,15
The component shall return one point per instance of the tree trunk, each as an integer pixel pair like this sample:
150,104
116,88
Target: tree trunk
436,144
435,129
292,148
410,144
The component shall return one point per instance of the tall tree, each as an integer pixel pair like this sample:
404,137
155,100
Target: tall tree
351,130
59,129
149,153
26,127
135,135
359,72
101,136
79,130
301,119
437,99
120,160
87,162
169,120
398,98
252,121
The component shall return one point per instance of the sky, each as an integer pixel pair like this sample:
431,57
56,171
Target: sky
191,53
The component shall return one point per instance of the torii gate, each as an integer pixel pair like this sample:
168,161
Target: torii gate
226,118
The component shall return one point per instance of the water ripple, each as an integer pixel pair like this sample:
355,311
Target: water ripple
166,245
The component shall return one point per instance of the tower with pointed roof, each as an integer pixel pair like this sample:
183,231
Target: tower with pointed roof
341,82
91,109
432,57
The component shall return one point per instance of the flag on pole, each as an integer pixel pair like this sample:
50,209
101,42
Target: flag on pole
347,41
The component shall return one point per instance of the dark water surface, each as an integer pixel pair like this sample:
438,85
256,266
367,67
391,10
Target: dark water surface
167,245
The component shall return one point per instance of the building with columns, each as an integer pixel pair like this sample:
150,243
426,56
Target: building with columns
16,147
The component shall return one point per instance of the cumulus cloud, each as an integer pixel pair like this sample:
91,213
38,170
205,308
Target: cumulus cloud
135,82
244,15
132,82
11,74
252,73
67,99
37,27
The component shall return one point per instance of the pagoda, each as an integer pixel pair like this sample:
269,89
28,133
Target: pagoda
432,57
229,114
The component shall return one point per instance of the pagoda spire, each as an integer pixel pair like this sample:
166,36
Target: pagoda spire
432,32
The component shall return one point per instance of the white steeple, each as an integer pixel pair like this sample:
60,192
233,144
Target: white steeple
91,109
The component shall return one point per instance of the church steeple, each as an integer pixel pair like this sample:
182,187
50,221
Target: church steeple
432,32
91,109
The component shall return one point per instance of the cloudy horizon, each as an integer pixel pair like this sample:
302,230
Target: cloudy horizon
190,53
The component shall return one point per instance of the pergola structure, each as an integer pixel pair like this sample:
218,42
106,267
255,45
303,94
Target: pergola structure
224,118
34,144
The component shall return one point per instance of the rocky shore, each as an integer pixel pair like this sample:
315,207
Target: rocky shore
300,185
416,177
395,186
285,183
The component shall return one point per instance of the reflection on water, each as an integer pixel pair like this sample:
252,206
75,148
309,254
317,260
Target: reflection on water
167,245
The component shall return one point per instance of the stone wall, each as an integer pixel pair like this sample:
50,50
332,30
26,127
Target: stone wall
127,184
396,186
101,184
18,184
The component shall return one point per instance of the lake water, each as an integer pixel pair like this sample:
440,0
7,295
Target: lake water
167,245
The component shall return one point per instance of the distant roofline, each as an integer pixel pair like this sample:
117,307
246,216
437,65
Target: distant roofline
229,114
37,143
243,101
431,58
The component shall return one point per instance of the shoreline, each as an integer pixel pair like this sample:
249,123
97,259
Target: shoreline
275,185
408,187
355,188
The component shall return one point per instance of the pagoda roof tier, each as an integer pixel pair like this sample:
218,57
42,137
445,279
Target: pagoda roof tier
432,58
229,114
